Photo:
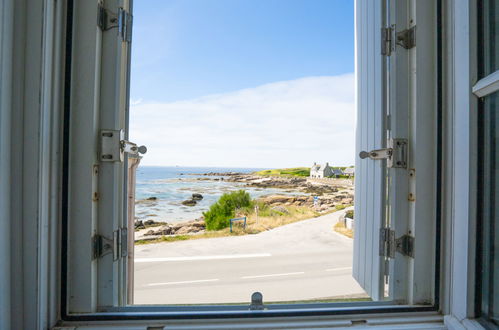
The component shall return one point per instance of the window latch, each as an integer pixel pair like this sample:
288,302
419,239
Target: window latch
395,154
114,146
257,302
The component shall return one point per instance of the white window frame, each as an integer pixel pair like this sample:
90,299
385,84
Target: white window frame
32,267
100,95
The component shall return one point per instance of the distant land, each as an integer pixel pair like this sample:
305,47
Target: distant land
294,171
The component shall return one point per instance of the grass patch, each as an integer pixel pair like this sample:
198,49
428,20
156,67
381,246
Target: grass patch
286,172
267,219
340,228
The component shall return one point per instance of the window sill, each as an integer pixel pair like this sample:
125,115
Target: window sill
431,320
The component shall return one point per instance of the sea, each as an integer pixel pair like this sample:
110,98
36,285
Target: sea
172,185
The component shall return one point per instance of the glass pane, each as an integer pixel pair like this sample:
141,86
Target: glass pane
490,205
251,96
490,35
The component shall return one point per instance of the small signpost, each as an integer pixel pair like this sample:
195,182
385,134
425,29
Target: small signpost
256,213
237,219
316,201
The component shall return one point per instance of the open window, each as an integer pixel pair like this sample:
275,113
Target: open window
397,142
396,171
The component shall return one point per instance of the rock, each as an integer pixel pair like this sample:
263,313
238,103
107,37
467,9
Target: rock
153,198
163,230
184,230
280,209
197,197
139,225
149,222
150,233
189,202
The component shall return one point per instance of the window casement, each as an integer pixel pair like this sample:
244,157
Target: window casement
486,89
397,179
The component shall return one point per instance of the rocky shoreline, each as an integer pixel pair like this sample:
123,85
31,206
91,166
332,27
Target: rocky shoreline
152,229
330,194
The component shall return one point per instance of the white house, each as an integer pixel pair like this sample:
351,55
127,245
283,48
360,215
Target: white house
350,171
321,171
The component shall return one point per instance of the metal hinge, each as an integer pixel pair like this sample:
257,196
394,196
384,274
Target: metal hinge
395,154
123,20
388,244
407,38
117,245
114,146
386,41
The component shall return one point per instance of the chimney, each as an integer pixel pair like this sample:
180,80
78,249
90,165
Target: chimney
327,164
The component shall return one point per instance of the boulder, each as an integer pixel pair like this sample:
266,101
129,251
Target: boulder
163,230
149,222
189,202
139,225
153,198
197,197
280,209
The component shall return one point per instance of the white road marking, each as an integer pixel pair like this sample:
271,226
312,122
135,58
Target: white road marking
228,256
341,268
183,282
272,275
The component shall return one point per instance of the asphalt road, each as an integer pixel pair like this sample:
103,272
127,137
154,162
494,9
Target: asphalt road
300,261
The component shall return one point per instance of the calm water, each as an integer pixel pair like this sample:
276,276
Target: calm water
172,185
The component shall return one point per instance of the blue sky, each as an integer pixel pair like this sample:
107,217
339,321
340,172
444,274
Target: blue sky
203,53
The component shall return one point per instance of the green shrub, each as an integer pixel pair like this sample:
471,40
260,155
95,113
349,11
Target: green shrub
340,206
219,214
349,214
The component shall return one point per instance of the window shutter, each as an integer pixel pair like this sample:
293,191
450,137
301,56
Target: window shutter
114,102
100,54
370,174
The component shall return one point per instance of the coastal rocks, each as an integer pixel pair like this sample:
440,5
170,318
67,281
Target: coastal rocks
189,202
218,173
324,203
274,200
280,209
184,228
139,225
153,198
197,197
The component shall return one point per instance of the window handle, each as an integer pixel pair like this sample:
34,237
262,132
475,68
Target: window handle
395,154
377,154
132,148
114,146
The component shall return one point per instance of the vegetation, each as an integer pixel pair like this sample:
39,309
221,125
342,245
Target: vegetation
349,214
219,215
267,218
286,172
340,228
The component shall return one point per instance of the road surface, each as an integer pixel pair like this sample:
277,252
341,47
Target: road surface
300,261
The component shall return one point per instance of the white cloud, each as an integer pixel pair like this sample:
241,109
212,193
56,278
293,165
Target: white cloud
281,124
134,102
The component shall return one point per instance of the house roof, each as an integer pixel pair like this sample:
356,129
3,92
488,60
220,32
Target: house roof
337,171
